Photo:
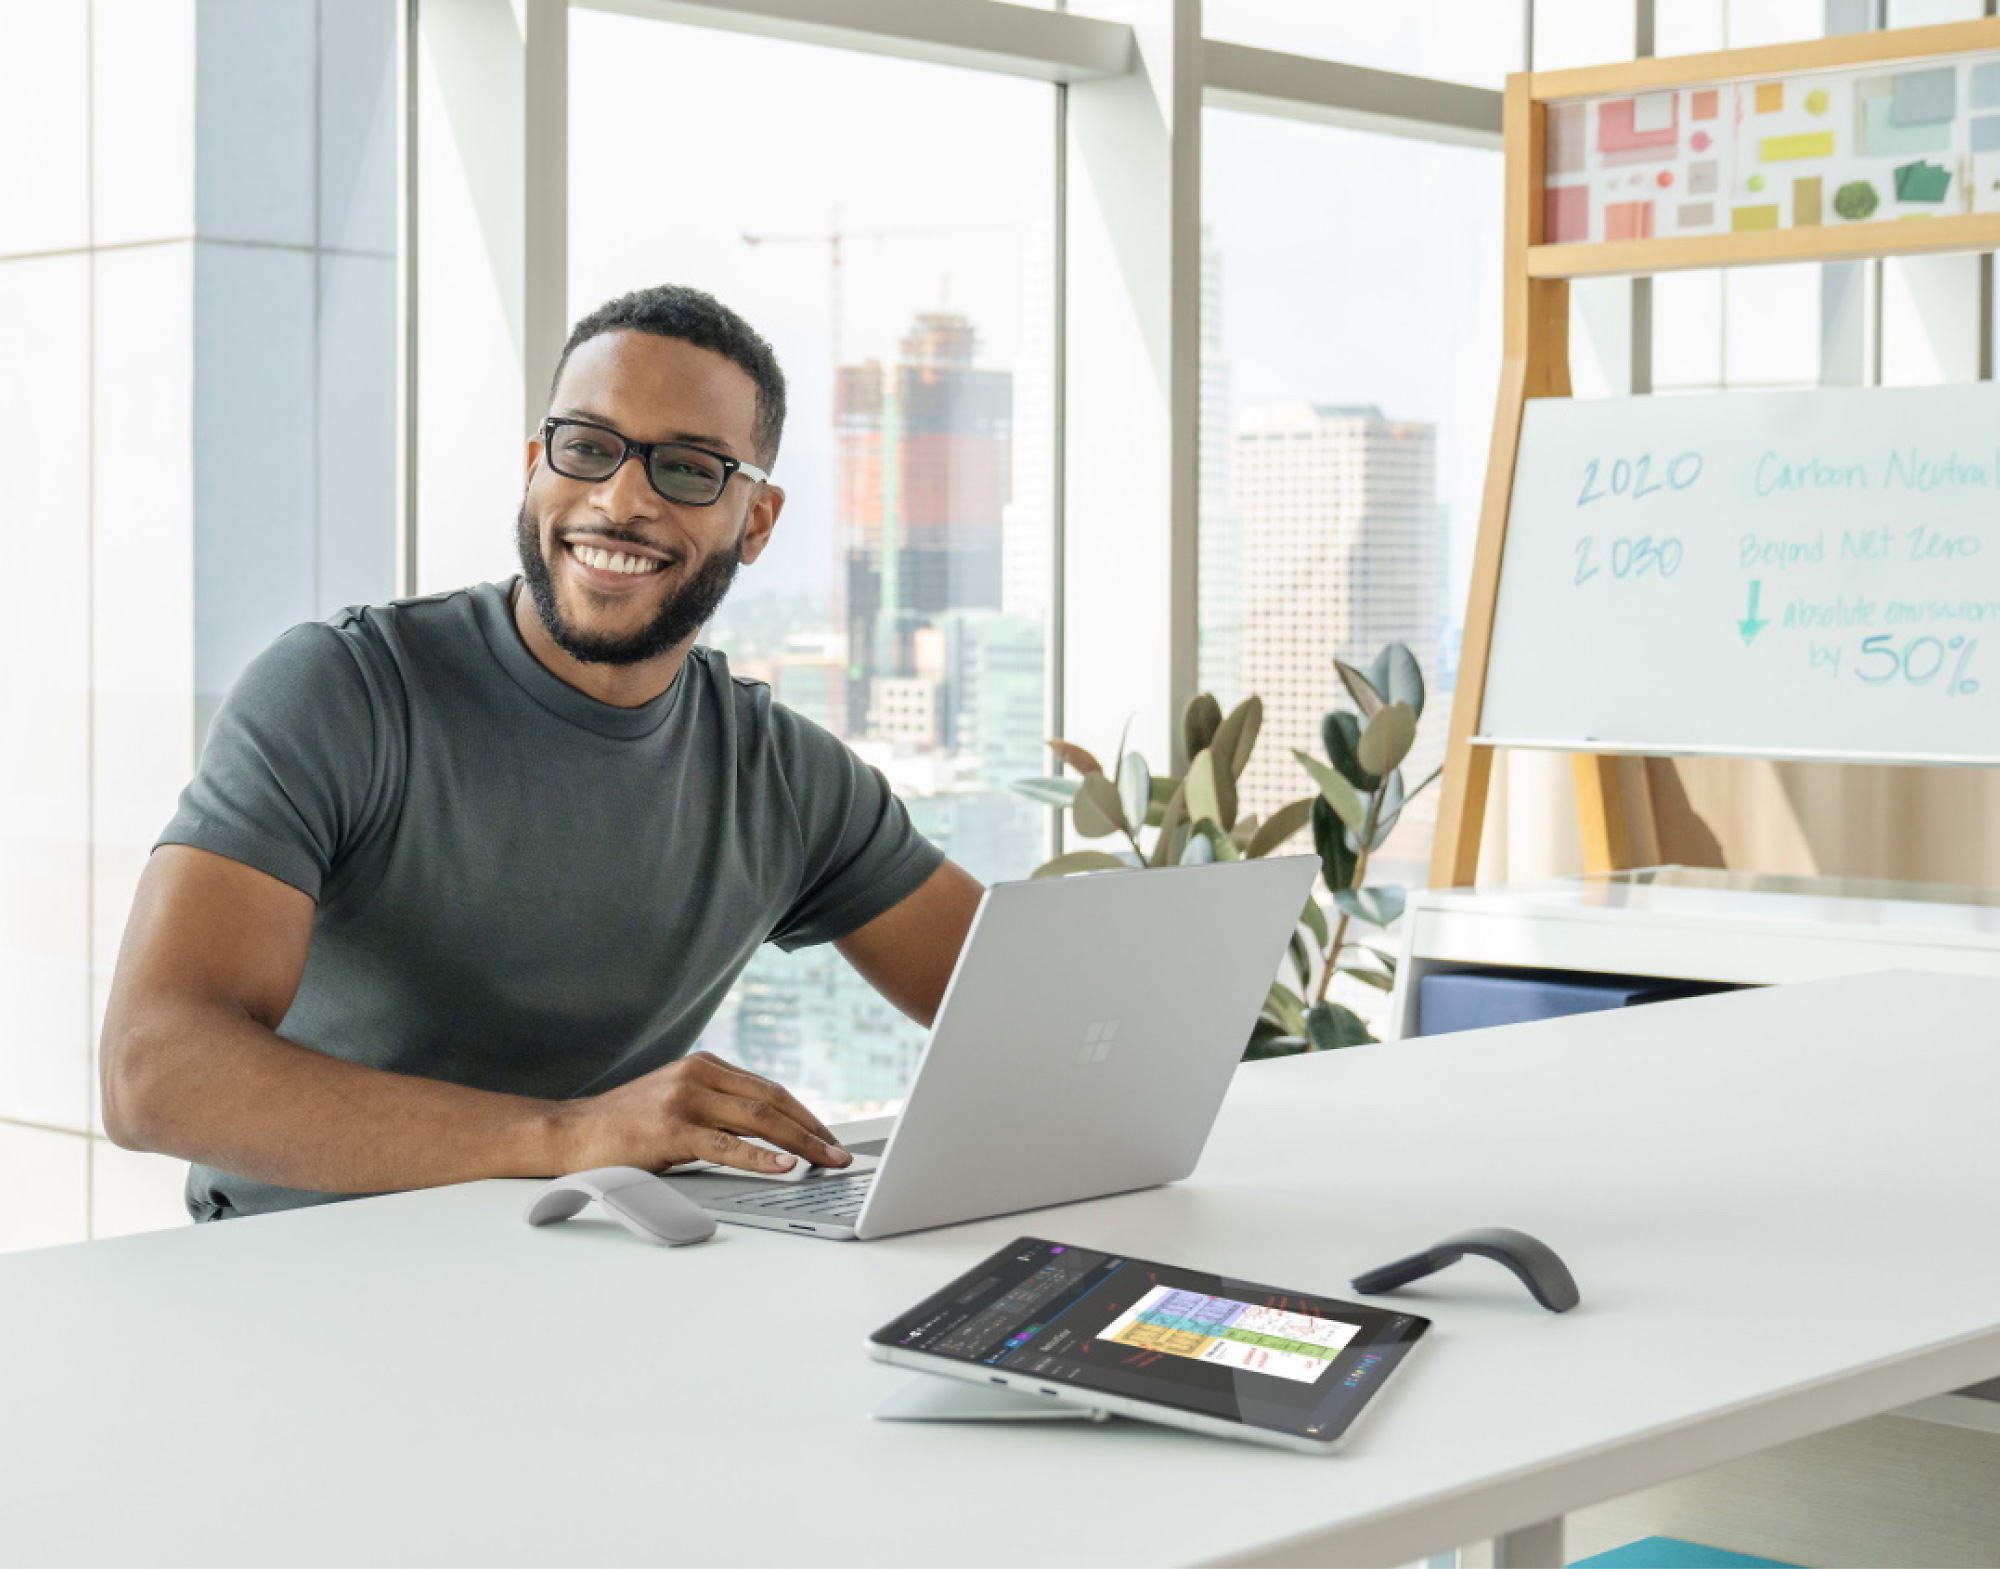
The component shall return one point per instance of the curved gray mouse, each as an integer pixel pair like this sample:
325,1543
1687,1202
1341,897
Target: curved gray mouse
642,1202
1532,1260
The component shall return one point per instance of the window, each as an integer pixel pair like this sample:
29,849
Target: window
1475,41
1350,361
901,261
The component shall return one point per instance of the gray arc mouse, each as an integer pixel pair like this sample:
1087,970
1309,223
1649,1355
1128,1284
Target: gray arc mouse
1532,1260
640,1201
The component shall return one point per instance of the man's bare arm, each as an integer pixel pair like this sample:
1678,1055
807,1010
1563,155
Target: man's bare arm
193,1066
907,952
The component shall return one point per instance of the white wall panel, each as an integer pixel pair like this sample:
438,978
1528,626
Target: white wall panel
255,120
45,696
143,596
1930,320
254,461
45,126
44,1188
142,116
357,125
132,1192
357,431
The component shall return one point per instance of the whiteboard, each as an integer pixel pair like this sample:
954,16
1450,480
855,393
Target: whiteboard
1797,574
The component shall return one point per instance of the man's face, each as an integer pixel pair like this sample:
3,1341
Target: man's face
646,388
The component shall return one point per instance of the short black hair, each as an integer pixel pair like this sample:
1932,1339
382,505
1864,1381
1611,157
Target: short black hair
672,310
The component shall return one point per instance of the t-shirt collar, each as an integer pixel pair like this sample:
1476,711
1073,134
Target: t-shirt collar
493,605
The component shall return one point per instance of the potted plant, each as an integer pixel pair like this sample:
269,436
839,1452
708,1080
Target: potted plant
1357,798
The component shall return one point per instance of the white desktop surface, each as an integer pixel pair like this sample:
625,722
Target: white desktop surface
1778,1205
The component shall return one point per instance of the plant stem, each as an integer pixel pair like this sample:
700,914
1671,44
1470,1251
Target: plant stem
1354,885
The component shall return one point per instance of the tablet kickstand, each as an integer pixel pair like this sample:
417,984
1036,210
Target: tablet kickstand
947,1400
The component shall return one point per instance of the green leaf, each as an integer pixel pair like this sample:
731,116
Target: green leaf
1329,1027
1118,758
1388,959
1301,960
1096,810
1334,790
1397,676
1050,792
1135,787
1360,688
1340,733
1244,831
1263,1048
1386,741
1375,906
1162,791
1198,851
1367,974
1284,1006
1219,842
1211,790
1199,722
1076,757
1315,919
1387,811
1173,817
1080,861
1236,736
1279,826
1337,858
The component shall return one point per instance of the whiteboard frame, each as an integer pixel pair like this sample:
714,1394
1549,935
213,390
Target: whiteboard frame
1593,745
1614,811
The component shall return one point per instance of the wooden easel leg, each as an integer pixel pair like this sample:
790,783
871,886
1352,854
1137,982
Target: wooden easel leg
1614,811
1468,771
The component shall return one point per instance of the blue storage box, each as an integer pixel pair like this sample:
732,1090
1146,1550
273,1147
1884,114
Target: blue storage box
1478,999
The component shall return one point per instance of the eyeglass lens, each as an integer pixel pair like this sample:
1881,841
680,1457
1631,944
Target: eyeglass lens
684,474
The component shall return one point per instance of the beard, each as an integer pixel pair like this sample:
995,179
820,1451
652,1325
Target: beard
684,612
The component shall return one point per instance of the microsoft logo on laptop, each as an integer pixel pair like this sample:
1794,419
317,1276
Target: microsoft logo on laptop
1097,1042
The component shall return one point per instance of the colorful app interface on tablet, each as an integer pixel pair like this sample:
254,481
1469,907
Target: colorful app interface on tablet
1179,1337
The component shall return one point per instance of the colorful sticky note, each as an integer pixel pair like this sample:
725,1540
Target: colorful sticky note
1925,97
1922,182
1985,86
1653,112
1701,141
1770,97
1704,177
1755,182
1986,133
1744,218
1620,140
1809,144
1628,220
1818,101
1704,105
1569,135
1881,137
1856,200
1697,215
1807,196
1565,214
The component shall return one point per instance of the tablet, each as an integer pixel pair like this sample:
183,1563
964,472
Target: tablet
1157,1342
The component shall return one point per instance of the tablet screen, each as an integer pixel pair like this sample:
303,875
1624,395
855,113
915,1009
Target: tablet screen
1294,1361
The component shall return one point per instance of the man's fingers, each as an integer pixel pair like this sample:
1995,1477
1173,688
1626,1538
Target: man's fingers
766,1119
745,1085
726,1149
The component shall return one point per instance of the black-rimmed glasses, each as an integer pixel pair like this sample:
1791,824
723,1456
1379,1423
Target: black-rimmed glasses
687,476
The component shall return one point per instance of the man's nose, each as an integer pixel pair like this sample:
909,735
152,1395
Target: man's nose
627,491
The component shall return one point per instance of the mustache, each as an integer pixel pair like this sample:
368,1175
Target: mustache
622,536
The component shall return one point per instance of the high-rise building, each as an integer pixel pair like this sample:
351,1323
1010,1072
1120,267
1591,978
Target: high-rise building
1343,551
925,462
1221,597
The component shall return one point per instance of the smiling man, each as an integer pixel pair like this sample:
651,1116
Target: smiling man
460,879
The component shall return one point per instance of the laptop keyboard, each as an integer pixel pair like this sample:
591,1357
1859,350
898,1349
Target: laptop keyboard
822,1198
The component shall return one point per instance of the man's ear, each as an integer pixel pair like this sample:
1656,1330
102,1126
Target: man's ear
534,458
762,520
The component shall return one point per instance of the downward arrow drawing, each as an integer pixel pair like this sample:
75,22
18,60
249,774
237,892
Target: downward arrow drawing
1750,625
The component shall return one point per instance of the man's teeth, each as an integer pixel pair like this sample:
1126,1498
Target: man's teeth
615,560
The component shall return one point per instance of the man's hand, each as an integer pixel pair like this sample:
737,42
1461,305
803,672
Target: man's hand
699,1108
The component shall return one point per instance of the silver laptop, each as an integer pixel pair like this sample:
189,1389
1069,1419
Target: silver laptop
1083,1047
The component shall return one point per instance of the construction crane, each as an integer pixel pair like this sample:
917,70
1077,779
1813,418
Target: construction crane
835,238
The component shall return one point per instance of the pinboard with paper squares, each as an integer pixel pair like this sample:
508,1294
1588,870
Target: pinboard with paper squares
1789,152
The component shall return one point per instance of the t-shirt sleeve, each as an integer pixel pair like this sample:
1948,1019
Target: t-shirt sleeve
285,778
862,854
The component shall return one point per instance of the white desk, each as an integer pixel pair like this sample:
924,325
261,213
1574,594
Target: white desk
1767,1199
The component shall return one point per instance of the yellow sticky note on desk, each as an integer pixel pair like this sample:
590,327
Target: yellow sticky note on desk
1742,218
1808,144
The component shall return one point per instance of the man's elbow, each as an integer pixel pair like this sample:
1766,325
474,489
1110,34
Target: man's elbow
129,1084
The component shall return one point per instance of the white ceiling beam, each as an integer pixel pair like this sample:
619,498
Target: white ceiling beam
983,35
1329,92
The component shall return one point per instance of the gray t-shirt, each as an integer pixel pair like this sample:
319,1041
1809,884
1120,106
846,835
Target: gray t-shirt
521,888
